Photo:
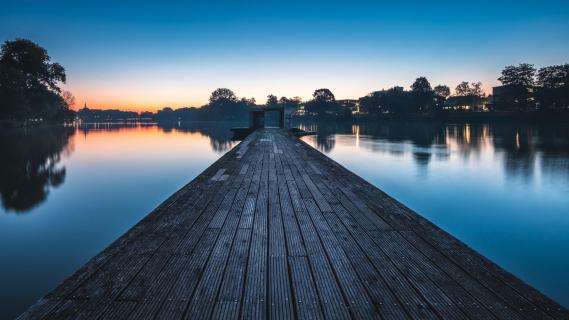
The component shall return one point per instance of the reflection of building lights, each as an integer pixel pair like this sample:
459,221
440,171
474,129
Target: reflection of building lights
356,132
467,134
517,140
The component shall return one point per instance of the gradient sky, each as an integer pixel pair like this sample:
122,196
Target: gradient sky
146,55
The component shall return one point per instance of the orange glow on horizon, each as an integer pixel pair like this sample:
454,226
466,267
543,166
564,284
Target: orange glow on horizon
154,99
125,105
105,143
137,108
133,99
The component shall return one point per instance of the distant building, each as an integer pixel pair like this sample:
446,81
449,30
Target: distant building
457,103
487,103
301,111
349,105
514,98
347,102
472,103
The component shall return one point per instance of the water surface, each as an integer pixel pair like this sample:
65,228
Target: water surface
501,188
68,193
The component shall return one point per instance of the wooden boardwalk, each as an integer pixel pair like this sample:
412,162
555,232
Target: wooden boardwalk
274,229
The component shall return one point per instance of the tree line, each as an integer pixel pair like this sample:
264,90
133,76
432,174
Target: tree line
523,88
223,105
30,91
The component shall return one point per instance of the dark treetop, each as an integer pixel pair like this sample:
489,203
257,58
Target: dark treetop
29,84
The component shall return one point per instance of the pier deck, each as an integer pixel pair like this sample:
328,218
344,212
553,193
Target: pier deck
275,229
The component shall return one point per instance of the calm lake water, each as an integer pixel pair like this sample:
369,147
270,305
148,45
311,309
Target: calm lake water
67,193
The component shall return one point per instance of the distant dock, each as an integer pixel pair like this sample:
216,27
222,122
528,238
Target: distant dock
276,230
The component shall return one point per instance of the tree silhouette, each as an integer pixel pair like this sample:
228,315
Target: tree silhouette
476,89
442,91
554,81
397,101
272,100
292,103
248,101
422,93
518,82
323,95
462,89
371,104
469,94
521,75
323,102
421,85
224,105
69,98
553,76
29,83
222,95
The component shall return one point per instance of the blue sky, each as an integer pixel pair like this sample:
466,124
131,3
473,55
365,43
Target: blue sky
147,55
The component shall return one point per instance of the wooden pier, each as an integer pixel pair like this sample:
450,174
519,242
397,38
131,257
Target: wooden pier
276,230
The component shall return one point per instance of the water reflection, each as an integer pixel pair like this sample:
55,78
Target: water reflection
29,166
219,134
220,137
520,147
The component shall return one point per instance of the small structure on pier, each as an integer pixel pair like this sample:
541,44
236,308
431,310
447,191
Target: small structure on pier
257,120
257,117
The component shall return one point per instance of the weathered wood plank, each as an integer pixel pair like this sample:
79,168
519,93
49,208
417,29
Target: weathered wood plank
357,297
230,296
227,218
333,302
281,304
255,292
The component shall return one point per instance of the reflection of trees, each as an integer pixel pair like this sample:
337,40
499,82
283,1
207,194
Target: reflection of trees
518,144
325,143
521,144
325,139
422,158
554,146
423,136
29,165
325,131
467,140
219,134
86,128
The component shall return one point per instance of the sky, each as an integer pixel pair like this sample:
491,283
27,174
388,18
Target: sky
143,55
